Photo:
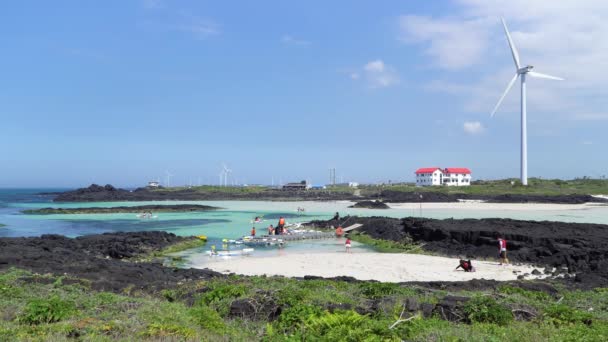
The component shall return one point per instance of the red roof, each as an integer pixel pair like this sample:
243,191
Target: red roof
427,170
457,170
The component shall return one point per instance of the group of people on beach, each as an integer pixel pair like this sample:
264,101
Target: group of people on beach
278,230
467,265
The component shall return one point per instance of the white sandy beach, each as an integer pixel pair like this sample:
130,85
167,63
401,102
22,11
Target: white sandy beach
475,205
385,267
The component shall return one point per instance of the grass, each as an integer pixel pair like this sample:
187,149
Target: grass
189,243
52,310
536,186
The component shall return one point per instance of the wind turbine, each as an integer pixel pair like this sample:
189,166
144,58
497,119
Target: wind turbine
521,72
169,175
227,173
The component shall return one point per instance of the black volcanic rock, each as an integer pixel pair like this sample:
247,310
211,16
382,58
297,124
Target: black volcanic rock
370,205
133,209
99,258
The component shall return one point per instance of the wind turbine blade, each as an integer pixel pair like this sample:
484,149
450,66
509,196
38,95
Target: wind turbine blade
539,75
511,45
504,94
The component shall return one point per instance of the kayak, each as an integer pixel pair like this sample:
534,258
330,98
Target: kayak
244,251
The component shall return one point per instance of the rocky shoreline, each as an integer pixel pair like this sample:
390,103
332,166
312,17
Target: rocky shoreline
108,193
106,260
173,208
576,252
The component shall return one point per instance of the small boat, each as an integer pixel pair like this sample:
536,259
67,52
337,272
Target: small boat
202,237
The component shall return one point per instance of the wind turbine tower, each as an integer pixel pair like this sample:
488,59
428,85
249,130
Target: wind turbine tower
521,72
169,175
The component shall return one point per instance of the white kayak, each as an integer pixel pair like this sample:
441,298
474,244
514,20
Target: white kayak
244,251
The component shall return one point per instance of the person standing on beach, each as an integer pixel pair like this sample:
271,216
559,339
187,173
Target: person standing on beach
502,250
347,245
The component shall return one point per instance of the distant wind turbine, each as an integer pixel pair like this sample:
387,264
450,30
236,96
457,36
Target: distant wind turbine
521,72
169,175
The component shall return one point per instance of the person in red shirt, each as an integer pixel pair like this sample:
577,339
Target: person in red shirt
347,244
253,231
502,251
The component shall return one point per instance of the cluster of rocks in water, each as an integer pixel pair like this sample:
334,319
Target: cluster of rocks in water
577,250
108,193
133,209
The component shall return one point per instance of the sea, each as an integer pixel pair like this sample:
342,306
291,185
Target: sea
233,220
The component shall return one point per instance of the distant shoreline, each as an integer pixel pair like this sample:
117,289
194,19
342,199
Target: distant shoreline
108,193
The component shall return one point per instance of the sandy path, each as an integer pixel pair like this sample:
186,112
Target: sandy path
366,266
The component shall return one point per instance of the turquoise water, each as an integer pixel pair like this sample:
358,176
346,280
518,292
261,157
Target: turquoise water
232,221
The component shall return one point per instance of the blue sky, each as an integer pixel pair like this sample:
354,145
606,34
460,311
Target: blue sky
121,91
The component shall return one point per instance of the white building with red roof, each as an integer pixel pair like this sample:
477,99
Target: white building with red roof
428,176
450,176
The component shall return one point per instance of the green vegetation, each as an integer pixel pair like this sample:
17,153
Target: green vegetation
407,245
2,225
44,307
188,243
536,186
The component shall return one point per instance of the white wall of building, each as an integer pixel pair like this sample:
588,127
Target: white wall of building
429,179
457,179
447,177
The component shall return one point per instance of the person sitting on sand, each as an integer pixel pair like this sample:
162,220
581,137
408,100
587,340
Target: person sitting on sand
347,245
466,266
502,251
252,231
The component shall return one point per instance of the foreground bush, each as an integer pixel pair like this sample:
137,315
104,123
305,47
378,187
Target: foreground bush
50,310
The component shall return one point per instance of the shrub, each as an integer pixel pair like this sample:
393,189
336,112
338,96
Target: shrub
487,310
49,310
378,290
294,317
561,314
221,291
208,318
535,295
347,326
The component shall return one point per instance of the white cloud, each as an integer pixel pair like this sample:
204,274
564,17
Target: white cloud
355,76
473,127
290,40
587,142
199,27
564,38
451,43
380,75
